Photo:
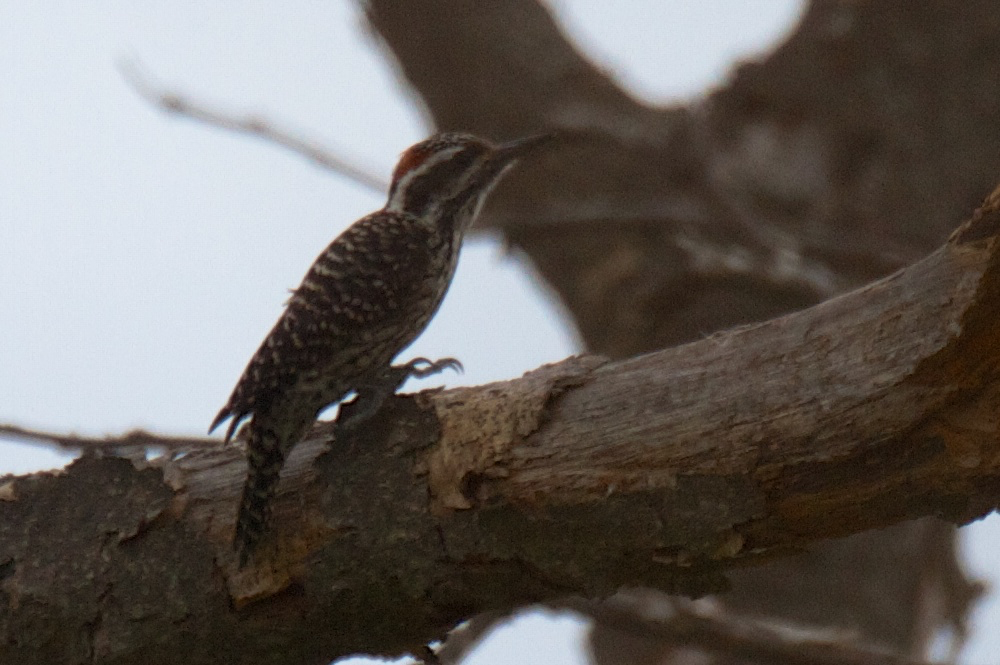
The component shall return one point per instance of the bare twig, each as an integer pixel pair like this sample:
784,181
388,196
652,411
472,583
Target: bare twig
173,102
133,439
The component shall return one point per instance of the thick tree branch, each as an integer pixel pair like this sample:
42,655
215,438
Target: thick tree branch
581,477
845,154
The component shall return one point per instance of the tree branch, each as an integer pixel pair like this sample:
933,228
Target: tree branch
134,440
737,639
175,103
577,479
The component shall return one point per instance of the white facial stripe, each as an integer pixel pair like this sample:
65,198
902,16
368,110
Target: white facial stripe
395,203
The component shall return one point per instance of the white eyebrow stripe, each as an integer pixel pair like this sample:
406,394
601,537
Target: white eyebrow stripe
395,203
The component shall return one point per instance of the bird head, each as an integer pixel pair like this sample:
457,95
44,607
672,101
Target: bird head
452,172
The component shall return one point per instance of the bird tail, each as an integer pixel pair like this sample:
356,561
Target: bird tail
266,455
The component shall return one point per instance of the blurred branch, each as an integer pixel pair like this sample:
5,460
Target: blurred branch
132,440
176,103
739,639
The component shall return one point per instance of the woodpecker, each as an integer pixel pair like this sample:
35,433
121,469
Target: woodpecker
367,296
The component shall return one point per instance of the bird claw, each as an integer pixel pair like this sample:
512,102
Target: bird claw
373,393
421,368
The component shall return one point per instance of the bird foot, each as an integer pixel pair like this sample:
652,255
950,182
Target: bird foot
421,368
372,393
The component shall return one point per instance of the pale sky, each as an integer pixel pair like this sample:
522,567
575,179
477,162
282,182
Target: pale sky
143,258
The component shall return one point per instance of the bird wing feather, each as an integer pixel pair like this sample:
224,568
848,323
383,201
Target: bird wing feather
353,299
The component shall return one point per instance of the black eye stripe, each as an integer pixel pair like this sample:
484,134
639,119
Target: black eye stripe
438,177
450,168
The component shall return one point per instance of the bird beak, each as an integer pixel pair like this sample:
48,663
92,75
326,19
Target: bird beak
508,152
